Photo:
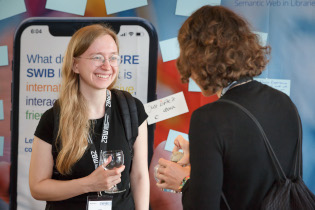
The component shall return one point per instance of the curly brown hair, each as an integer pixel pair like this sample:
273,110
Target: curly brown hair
218,46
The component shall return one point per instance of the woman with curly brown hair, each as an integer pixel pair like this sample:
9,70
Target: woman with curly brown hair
226,152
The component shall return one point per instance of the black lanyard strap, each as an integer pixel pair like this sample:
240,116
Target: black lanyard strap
104,139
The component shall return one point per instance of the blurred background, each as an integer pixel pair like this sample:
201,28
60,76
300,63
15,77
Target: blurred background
288,26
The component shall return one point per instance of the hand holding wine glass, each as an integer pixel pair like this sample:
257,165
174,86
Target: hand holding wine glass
101,180
115,159
170,174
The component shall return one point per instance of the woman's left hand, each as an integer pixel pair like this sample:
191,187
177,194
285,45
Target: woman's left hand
171,174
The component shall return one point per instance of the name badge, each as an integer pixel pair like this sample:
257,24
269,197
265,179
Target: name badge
103,202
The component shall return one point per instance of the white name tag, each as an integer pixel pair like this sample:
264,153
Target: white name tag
99,203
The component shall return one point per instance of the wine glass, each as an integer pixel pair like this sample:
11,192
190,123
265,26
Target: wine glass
117,160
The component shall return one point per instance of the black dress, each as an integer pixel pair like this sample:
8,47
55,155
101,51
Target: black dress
84,167
227,152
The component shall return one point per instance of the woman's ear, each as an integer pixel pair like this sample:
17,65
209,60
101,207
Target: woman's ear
75,66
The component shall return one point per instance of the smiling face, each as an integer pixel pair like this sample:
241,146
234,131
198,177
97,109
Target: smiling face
93,77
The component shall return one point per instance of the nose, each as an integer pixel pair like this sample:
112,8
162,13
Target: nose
106,63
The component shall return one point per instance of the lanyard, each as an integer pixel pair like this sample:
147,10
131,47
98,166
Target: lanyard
104,139
233,84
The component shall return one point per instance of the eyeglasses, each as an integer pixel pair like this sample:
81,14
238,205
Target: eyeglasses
99,60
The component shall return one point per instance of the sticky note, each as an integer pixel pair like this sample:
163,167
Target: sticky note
187,7
9,8
114,6
166,108
1,110
1,145
283,85
172,134
262,37
4,59
76,7
192,86
169,49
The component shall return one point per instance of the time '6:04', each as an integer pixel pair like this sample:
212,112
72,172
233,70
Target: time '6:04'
36,31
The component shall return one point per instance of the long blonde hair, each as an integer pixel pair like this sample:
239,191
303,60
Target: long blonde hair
74,123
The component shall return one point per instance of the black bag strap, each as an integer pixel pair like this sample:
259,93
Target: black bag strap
225,201
128,111
298,153
275,161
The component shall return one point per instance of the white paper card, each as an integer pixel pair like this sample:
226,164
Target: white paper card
283,85
4,61
262,37
192,86
70,6
166,108
169,49
114,6
187,7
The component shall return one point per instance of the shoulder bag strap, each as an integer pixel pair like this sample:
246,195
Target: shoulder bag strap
133,114
298,153
271,153
275,161
128,110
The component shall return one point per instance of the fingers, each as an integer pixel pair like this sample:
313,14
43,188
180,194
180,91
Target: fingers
180,143
112,177
105,179
164,185
161,185
177,146
183,161
120,169
116,179
164,169
160,176
111,181
163,162
160,171
114,171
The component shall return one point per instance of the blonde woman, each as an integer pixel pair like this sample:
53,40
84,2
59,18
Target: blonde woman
62,171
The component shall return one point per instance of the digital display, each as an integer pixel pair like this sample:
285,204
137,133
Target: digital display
41,56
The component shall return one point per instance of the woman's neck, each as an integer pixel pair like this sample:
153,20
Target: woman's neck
219,92
96,103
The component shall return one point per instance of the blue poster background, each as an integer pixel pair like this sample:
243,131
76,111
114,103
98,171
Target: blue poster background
290,25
